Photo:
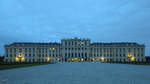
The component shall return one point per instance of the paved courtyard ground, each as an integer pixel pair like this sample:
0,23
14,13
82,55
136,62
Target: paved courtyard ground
78,73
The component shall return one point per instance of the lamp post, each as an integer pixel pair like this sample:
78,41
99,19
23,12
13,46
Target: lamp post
48,59
131,57
20,58
102,59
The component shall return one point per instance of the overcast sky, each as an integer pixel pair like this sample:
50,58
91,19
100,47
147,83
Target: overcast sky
52,20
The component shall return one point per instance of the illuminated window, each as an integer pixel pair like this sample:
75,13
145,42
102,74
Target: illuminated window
82,43
52,49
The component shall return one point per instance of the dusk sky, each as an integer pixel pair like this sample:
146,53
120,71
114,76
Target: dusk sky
52,20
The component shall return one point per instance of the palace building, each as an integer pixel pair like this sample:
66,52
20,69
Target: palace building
75,50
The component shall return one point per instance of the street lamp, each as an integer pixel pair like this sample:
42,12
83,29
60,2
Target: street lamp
20,58
102,59
48,59
76,59
131,57
82,59
17,59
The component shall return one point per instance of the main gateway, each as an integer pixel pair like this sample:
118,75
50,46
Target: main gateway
74,50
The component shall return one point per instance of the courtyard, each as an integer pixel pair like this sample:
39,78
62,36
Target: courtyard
78,73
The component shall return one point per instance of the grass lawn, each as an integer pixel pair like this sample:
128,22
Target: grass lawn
11,66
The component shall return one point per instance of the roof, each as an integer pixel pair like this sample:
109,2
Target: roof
118,43
32,44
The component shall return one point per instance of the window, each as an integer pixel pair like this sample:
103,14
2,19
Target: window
82,54
42,50
104,55
7,55
82,48
120,49
25,55
100,50
129,50
65,54
85,42
69,55
72,54
75,54
6,50
29,49
75,43
29,55
14,49
142,50
141,55
124,55
134,49
86,54
39,55
25,50
138,55
10,50
55,49
10,55
69,43
14,55
110,55
65,43
42,55
104,50
42,60
124,49
135,55
138,49
100,54
116,49
120,55
116,55
107,55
